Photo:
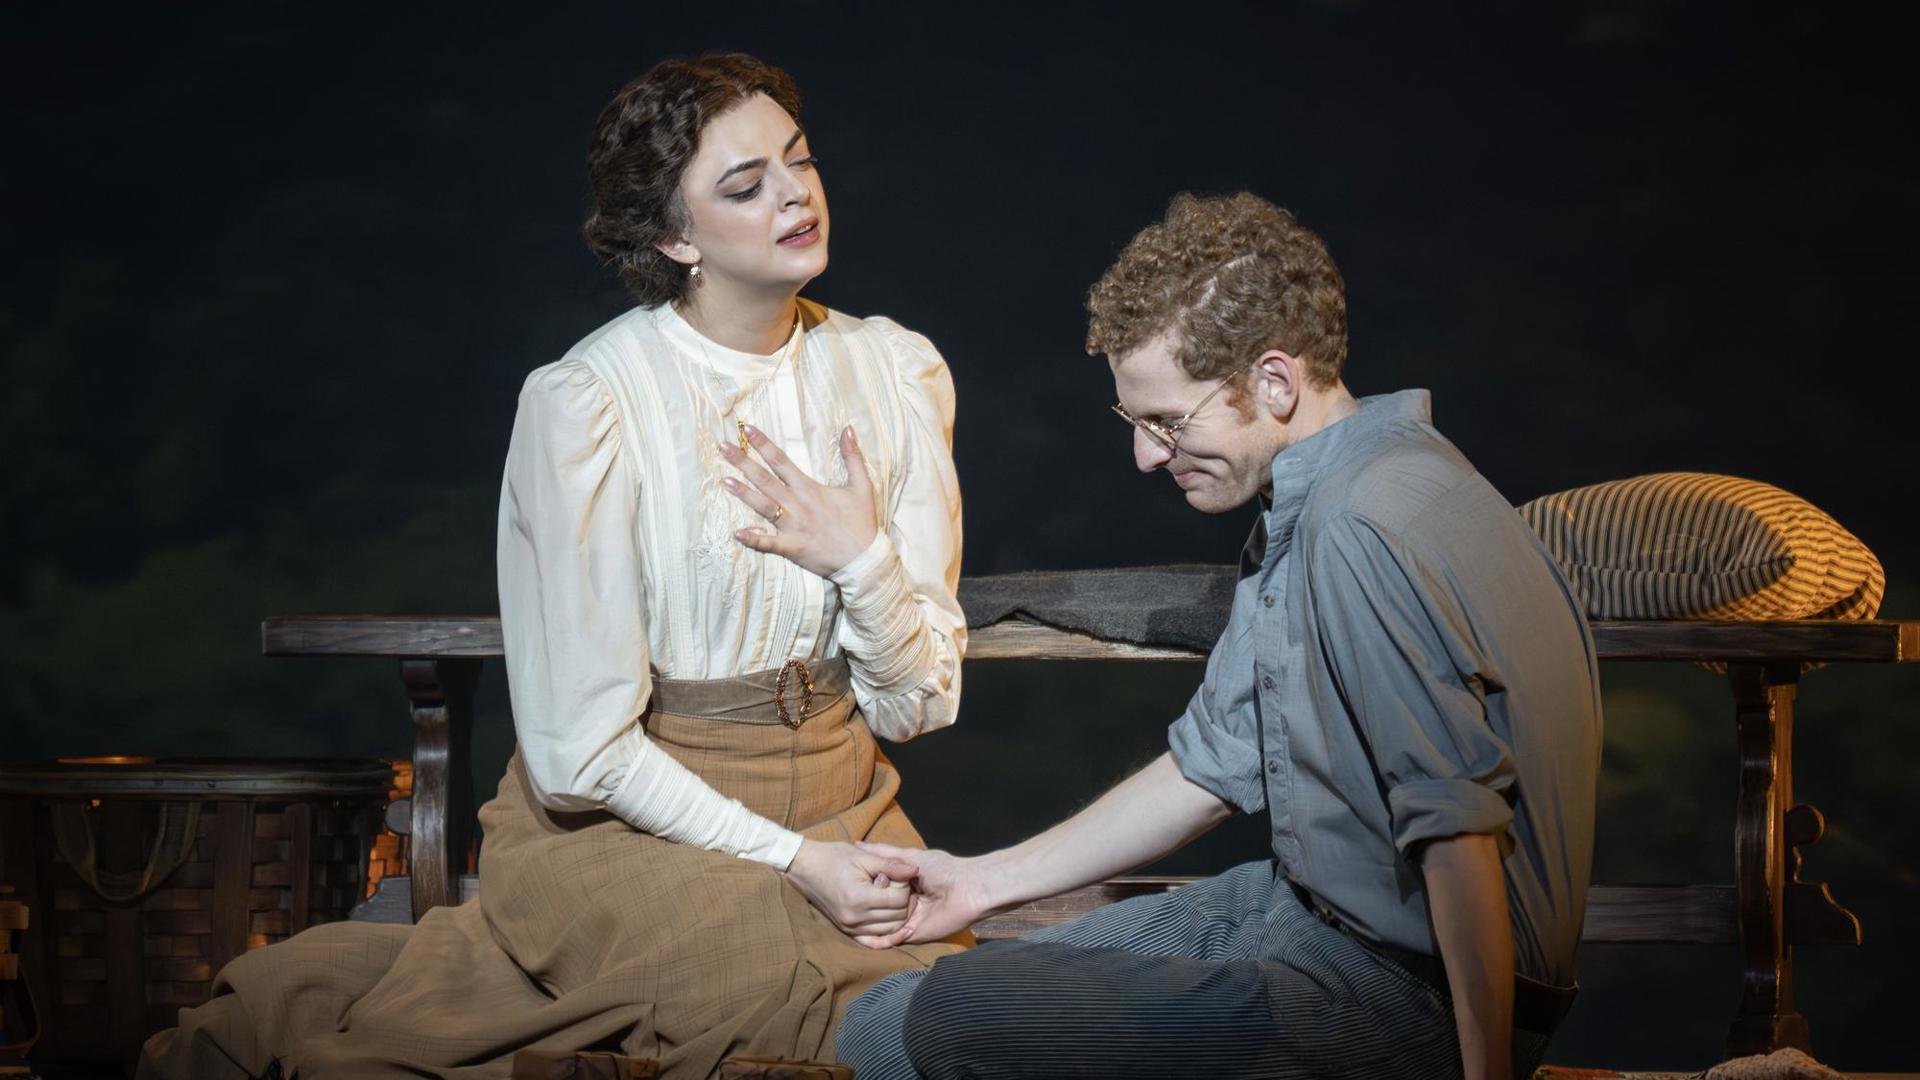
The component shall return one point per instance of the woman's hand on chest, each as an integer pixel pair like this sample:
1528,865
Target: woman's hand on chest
818,527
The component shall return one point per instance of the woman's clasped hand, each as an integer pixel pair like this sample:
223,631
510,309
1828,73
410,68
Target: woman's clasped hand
869,896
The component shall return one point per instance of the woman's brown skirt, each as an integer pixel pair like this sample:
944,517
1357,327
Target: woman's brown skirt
588,934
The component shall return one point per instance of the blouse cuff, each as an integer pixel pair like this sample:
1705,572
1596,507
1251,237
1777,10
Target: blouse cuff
779,850
892,630
856,578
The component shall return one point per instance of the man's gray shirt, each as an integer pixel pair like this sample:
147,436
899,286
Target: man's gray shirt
1404,663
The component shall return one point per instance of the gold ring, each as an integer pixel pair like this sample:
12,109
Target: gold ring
778,511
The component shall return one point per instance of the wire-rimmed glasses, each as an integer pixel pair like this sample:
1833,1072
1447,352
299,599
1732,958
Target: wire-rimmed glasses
1168,435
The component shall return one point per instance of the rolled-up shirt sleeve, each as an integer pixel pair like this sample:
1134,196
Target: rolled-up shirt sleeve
572,614
903,632
1214,741
1398,643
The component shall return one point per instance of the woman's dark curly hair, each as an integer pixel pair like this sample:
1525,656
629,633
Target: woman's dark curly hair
641,145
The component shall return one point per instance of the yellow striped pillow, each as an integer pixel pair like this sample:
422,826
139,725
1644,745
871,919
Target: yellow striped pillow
1700,546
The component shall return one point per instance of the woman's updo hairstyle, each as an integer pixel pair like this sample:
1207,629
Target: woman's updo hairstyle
641,145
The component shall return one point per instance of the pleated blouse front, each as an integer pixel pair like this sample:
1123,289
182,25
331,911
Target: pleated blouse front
617,557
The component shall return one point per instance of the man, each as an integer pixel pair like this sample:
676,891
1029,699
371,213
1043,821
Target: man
1406,686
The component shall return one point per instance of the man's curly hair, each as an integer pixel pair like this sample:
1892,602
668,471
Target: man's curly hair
1235,276
641,146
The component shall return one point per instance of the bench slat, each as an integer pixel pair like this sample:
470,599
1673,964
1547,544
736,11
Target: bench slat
381,635
1806,641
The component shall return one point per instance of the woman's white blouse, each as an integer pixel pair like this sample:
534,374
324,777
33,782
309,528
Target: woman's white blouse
617,559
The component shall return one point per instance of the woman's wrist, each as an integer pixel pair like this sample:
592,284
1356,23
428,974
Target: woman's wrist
802,858
858,572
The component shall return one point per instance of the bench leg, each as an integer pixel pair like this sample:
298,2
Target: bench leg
440,695
1763,697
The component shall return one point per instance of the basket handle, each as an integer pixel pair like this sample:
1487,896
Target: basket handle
73,835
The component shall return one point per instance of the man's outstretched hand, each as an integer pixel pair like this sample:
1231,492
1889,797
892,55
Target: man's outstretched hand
1148,814
867,895
949,893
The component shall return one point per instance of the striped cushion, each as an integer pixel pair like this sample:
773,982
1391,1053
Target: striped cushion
1699,546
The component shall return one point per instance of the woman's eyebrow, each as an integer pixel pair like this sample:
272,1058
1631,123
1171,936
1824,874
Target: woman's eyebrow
755,163
759,162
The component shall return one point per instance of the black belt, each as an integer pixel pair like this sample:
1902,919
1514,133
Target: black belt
1538,1007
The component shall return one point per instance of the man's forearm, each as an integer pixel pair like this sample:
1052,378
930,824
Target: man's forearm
1468,894
1145,816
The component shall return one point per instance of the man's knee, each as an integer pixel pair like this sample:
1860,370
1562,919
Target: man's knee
971,1015
944,1020
870,1032
874,1013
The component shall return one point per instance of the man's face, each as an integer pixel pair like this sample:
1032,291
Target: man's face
1225,455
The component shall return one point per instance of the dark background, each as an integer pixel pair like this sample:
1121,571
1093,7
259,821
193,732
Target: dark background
272,277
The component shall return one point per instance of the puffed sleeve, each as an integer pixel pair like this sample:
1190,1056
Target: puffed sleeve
1398,641
572,613
904,634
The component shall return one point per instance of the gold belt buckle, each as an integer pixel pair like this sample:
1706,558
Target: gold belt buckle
780,693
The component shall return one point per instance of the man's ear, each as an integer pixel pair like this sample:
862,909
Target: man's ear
680,250
1277,382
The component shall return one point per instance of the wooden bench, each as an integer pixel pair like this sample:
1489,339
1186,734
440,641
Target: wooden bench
1768,910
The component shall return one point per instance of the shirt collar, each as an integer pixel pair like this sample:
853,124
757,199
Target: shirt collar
1297,467
730,362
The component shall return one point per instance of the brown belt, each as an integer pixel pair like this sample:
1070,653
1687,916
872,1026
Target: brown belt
788,694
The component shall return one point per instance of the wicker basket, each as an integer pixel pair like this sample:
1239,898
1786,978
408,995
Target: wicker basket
147,876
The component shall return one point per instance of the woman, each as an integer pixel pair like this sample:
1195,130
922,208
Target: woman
729,540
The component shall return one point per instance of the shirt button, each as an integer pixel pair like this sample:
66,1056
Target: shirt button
1266,681
1273,766
1267,599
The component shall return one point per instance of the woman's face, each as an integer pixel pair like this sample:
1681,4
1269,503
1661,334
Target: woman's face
757,213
